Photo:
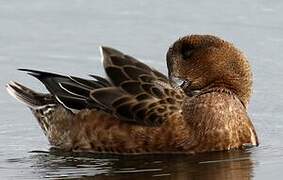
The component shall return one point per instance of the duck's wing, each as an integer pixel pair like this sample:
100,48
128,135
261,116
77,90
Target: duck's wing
72,92
138,93
134,92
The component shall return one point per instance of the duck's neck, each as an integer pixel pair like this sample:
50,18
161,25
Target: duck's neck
241,87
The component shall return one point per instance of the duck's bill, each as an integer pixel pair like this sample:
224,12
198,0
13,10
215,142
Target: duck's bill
184,84
177,82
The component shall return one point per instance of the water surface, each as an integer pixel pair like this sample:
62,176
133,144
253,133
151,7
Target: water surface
64,36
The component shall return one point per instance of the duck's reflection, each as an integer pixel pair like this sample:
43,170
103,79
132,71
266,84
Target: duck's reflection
220,165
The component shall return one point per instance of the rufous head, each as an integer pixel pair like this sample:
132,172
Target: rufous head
206,61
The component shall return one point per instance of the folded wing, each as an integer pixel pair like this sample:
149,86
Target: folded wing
134,92
139,93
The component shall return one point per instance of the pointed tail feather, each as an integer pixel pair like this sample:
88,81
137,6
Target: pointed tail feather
29,97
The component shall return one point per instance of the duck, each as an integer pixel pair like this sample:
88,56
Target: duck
201,106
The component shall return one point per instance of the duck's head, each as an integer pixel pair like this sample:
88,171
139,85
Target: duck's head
201,62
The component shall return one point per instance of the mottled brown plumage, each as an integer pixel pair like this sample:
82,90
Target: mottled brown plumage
201,107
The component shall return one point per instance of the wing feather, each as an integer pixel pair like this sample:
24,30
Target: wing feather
72,92
141,94
134,92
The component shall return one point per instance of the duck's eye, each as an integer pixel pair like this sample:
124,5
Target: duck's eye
187,51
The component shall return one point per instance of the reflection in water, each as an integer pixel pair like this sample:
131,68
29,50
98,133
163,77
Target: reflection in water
219,165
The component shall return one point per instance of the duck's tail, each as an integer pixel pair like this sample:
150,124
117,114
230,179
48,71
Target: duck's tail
32,99
46,110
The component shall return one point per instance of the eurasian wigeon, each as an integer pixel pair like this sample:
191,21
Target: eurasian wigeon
201,106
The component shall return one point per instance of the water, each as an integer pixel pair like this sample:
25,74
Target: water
63,36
